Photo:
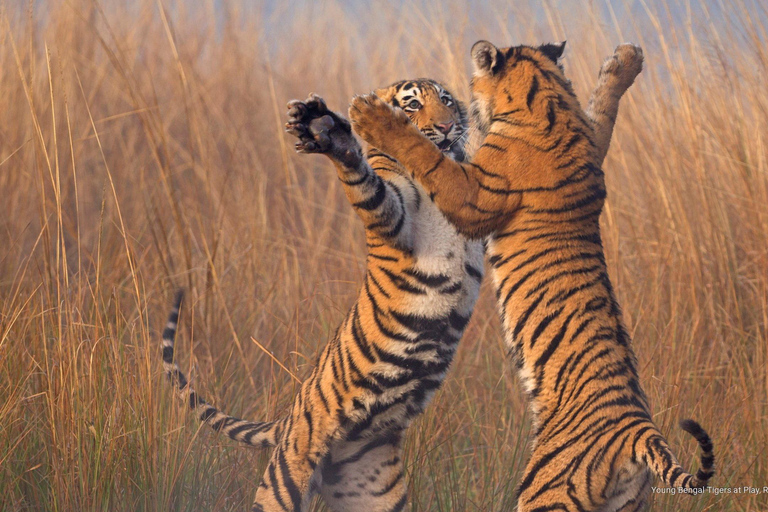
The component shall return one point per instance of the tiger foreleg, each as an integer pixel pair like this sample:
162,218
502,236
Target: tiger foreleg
323,131
457,188
377,201
616,75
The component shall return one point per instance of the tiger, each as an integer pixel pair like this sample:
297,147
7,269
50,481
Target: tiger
535,190
342,438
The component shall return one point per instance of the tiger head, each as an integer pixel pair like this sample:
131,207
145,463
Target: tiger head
515,80
434,111
522,93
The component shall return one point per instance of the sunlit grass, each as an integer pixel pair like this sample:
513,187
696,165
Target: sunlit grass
141,150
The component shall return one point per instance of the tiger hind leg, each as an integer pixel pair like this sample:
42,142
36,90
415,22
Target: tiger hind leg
288,484
596,478
365,475
293,474
630,490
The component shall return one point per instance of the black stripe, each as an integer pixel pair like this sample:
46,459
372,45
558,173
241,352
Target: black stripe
389,486
168,354
532,92
473,272
433,281
454,288
565,273
482,170
457,321
374,201
496,260
377,285
388,332
392,233
359,338
356,182
596,196
374,153
492,190
434,167
288,482
321,394
206,414
554,342
384,258
524,318
400,505
419,324
564,295
476,208
275,491
494,146
353,368
551,113
551,316
402,284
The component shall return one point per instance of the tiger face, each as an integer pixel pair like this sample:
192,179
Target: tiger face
507,80
434,111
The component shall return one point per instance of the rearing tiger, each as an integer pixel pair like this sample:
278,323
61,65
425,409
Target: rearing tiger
343,435
536,189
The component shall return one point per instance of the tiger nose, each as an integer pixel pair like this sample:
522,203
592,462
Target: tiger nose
445,128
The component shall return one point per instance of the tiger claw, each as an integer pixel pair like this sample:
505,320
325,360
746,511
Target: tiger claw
315,102
306,146
300,147
296,110
296,129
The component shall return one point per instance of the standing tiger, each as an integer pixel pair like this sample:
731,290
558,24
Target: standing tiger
343,435
535,188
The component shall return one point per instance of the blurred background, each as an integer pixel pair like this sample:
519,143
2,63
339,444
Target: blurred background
142,150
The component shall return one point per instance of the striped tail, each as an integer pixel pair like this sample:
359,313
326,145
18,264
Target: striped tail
260,434
663,462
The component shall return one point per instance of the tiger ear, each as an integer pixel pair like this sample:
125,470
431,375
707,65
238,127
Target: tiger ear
553,51
485,57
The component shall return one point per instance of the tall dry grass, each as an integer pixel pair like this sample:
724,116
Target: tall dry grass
141,149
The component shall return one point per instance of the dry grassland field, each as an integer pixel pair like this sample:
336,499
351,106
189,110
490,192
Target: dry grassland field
142,150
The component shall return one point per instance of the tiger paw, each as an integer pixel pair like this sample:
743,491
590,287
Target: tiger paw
375,121
318,129
620,69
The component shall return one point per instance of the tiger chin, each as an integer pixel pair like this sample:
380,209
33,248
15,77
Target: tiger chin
535,188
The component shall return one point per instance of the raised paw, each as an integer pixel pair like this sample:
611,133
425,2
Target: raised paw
620,69
374,120
317,128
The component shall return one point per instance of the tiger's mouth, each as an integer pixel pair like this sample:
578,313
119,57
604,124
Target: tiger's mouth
451,143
